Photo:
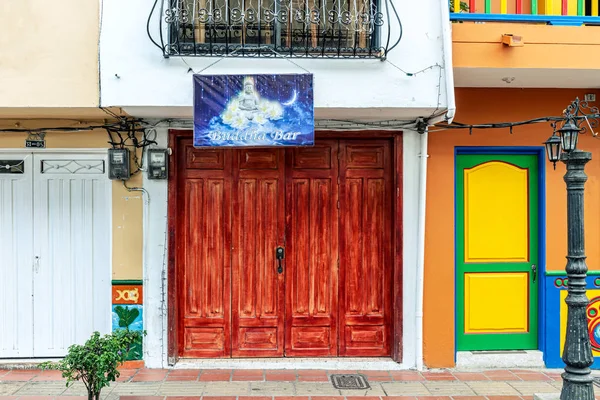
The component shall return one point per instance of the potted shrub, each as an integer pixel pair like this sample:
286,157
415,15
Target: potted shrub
96,362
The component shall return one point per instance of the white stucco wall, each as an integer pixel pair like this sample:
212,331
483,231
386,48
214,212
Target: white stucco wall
155,258
136,76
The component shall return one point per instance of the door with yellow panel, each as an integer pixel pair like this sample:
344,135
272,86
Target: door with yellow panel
497,252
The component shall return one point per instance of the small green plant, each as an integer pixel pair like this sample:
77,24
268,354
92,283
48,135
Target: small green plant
464,7
96,362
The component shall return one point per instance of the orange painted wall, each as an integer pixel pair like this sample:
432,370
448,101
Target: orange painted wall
485,106
478,45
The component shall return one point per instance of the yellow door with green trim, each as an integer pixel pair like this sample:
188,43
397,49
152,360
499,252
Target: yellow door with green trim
497,252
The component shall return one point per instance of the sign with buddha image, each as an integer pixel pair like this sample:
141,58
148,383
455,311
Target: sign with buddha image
253,110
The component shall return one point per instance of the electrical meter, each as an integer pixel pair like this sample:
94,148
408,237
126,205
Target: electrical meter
158,165
118,164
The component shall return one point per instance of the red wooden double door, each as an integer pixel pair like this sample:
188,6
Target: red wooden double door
327,210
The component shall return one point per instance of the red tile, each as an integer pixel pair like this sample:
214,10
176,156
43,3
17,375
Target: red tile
469,398
247,379
400,398
153,370
218,397
18,376
148,378
315,372
380,378
142,397
36,397
505,397
291,398
183,398
406,376
248,372
375,373
68,398
438,376
49,376
312,379
433,398
184,372
187,378
254,398
344,371
216,371
326,397
533,376
289,377
470,376
362,398
215,377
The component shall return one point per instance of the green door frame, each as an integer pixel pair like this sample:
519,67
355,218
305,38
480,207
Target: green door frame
534,339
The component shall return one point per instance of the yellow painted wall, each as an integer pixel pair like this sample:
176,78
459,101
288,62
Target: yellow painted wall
127,207
49,53
485,106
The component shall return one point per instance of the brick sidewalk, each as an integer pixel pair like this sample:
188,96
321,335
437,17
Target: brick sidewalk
159,384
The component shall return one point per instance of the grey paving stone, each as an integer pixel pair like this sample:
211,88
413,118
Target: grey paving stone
316,389
492,388
272,389
449,388
6,389
227,389
404,389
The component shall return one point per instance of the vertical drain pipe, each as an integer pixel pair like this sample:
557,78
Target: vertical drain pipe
423,134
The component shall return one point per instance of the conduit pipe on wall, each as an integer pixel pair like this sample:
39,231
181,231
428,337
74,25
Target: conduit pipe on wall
424,137
421,248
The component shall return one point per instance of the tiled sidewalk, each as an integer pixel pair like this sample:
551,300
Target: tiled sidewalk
158,384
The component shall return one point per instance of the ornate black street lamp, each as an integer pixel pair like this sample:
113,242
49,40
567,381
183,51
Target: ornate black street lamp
577,353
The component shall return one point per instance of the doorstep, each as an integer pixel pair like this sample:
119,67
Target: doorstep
330,363
499,359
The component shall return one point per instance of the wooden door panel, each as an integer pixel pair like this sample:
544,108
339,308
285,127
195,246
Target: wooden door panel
312,251
258,229
203,253
366,259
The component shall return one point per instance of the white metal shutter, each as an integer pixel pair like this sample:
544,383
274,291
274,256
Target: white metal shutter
72,220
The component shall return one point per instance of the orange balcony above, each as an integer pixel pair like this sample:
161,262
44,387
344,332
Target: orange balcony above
526,43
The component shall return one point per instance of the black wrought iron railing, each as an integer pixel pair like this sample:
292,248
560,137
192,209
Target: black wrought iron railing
272,28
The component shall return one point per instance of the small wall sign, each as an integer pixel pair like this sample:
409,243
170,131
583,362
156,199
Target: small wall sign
39,144
35,140
253,110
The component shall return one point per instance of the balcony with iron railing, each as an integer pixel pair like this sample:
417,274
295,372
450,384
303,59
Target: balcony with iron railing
272,28
551,12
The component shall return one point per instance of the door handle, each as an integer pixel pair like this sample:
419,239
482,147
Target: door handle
534,272
279,254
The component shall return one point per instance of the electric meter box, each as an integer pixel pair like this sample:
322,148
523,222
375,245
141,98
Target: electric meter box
118,164
158,164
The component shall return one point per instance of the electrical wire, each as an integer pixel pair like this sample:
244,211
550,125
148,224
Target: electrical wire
399,25
148,26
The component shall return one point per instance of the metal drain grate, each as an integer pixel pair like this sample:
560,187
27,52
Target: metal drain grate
350,381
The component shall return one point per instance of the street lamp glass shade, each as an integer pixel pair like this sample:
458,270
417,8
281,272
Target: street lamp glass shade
569,134
553,148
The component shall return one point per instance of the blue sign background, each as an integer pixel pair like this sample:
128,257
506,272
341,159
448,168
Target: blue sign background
253,110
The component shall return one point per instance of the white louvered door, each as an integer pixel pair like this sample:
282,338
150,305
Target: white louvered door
72,220
16,255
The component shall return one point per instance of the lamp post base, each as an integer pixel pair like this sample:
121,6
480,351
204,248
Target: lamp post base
577,384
